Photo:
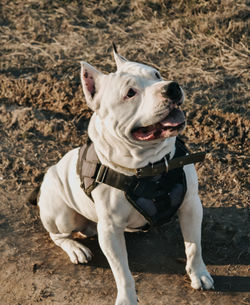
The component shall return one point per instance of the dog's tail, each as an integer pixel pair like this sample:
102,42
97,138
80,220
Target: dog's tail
33,196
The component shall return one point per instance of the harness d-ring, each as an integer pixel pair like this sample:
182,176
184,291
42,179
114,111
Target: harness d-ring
166,163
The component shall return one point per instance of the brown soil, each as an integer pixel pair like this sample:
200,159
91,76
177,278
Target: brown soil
201,44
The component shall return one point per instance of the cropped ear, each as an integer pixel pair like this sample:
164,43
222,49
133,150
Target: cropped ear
120,60
89,79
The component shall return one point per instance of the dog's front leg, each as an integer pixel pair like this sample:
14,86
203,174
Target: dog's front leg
190,216
113,212
112,242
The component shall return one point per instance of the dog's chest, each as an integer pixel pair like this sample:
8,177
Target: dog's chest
157,197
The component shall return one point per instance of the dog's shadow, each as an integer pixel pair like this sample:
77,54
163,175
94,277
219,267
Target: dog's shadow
147,252
161,250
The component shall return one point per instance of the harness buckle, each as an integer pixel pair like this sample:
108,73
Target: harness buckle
139,173
101,174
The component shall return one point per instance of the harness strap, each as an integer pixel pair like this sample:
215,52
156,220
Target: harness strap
87,169
164,166
118,180
93,172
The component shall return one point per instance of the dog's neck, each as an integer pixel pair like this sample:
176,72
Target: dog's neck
124,156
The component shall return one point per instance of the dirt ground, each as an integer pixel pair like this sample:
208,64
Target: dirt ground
201,44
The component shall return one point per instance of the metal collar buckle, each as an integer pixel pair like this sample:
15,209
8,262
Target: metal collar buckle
166,163
153,169
139,173
146,171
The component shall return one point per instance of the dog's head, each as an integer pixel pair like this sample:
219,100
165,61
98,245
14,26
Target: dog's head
134,104
135,100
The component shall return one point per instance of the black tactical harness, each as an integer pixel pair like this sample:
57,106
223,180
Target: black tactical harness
156,190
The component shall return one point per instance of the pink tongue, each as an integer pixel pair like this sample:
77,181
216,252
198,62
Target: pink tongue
174,118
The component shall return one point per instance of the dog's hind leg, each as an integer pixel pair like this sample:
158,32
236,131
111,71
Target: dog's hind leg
60,220
76,251
60,228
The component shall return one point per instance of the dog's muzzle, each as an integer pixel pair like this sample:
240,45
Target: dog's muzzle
172,123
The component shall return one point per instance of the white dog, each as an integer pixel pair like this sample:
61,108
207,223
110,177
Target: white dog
136,119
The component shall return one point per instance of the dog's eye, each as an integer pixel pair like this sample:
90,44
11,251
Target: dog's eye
131,93
157,75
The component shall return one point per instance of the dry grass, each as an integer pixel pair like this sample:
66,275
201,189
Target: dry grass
202,44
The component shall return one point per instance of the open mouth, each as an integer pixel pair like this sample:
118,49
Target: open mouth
171,125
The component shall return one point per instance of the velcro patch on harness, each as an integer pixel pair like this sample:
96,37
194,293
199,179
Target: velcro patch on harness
158,198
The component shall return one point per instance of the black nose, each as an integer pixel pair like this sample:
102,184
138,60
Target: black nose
173,92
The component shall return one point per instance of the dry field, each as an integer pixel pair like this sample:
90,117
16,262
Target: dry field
201,44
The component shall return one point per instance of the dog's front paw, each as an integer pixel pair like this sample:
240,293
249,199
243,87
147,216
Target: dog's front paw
125,302
126,299
78,253
201,279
